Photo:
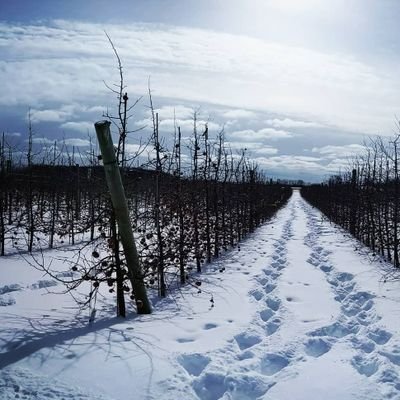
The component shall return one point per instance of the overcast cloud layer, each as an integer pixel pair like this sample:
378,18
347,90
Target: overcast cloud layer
300,111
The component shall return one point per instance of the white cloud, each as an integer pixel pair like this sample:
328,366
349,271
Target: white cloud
239,114
81,126
292,164
43,141
291,123
255,148
95,109
243,145
168,125
63,113
12,134
262,134
187,125
265,150
178,112
334,152
133,148
50,115
69,60
77,142
338,165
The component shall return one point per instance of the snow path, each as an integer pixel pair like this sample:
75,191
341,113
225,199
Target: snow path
299,314
305,310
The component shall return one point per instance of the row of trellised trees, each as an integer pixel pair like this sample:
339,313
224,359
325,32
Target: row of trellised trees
190,204
365,199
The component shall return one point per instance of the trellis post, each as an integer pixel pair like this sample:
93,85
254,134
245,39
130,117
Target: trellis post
116,189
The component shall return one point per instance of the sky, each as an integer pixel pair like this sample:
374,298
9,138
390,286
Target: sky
301,84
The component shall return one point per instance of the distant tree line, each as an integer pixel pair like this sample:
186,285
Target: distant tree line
190,202
365,199
186,209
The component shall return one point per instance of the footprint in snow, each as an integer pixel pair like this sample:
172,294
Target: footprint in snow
246,355
215,385
184,340
313,261
209,326
194,364
365,318
210,386
326,268
350,310
266,314
257,294
365,366
273,303
349,286
344,277
390,376
273,363
245,386
278,264
269,288
44,284
361,298
333,282
270,272
263,281
340,295
355,303
246,340
14,287
368,305
272,326
380,336
367,346
336,330
317,347
6,300
393,356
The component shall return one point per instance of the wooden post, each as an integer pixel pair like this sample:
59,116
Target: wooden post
118,199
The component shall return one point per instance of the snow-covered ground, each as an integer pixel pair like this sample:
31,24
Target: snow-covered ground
300,312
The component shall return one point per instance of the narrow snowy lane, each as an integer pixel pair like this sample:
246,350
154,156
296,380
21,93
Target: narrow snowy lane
315,332
298,312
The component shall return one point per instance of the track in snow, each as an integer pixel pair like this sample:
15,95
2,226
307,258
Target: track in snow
358,322
305,309
298,316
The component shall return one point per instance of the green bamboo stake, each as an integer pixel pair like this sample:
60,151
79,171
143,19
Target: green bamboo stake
118,199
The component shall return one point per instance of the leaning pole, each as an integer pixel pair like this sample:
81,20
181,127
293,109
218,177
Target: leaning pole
118,199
